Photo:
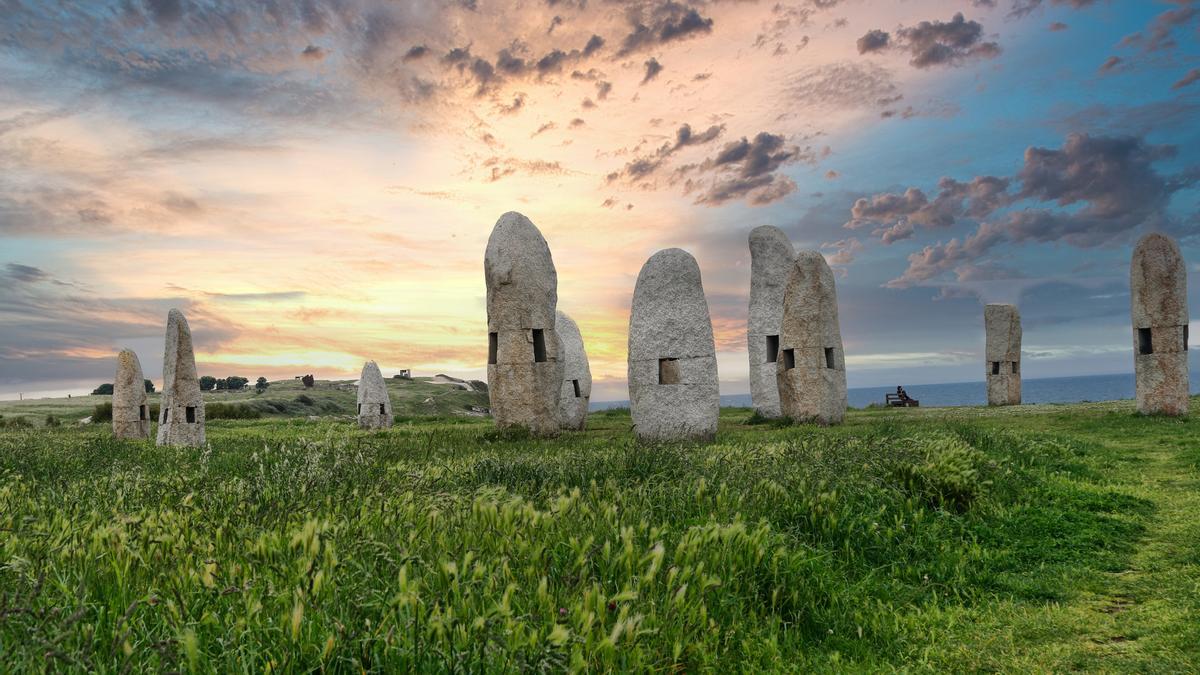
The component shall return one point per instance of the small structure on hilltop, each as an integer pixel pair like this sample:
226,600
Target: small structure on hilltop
771,257
1002,325
374,404
577,375
524,369
811,370
404,374
130,413
308,381
673,392
1158,300
181,417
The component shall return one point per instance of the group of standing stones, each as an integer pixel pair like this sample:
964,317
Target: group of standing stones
181,411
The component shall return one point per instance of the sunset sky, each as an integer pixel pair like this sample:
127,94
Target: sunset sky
313,183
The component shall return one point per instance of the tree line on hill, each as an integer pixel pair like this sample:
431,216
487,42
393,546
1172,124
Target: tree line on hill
207,383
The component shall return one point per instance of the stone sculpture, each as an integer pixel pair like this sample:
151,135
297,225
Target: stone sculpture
525,373
1158,291
374,404
673,391
771,257
130,413
577,375
811,370
1002,326
181,416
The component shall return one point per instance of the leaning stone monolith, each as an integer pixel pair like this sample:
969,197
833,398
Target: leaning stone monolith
130,413
374,404
577,375
525,372
1002,328
771,257
181,418
1158,290
811,371
673,391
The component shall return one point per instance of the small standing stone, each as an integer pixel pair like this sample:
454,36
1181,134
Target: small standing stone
811,371
130,413
374,404
1158,295
181,417
673,391
525,372
771,258
577,375
1002,326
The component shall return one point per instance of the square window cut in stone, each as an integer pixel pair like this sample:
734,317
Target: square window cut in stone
539,345
1145,343
166,415
1016,368
493,344
191,414
995,367
772,348
789,359
382,411
143,413
575,386
829,362
668,371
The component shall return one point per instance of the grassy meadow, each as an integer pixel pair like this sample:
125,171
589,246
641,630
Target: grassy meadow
1034,538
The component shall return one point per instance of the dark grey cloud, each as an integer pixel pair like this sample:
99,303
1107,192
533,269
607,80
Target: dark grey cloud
897,215
415,52
1160,34
25,273
653,68
746,168
1189,78
934,43
640,168
594,44
313,52
1023,7
660,23
873,41
1110,64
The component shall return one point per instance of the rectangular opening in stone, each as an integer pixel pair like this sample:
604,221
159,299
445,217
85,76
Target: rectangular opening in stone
1145,344
668,371
1016,367
772,348
359,408
789,359
995,367
539,345
143,413
382,409
575,385
493,343
191,414
165,415
1185,338
829,358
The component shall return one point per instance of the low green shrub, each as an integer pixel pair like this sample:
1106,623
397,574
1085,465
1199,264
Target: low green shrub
230,411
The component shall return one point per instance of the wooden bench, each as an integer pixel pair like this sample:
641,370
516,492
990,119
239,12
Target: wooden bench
898,401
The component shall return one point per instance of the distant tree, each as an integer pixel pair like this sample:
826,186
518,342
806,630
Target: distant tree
149,387
207,383
235,382
262,384
308,381
105,389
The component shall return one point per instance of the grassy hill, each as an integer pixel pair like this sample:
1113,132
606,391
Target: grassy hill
417,397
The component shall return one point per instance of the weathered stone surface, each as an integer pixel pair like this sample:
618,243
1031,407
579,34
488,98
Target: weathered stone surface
525,372
577,375
673,390
1158,290
374,404
1002,327
811,370
181,417
130,413
771,258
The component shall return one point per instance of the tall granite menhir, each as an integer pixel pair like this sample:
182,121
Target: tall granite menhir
811,371
525,373
771,257
130,413
374,404
1158,291
577,375
1002,327
673,391
181,418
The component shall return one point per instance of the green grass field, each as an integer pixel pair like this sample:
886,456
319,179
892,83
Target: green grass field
1036,538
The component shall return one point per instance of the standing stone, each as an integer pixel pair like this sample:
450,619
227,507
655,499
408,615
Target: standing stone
673,391
771,257
525,372
130,413
811,370
374,404
1158,290
577,375
1002,325
181,419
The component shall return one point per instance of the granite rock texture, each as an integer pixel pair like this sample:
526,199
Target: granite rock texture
130,412
1158,291
673,391
771,258
181,416
577,375
811,370
374,404
525,371
1002,330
